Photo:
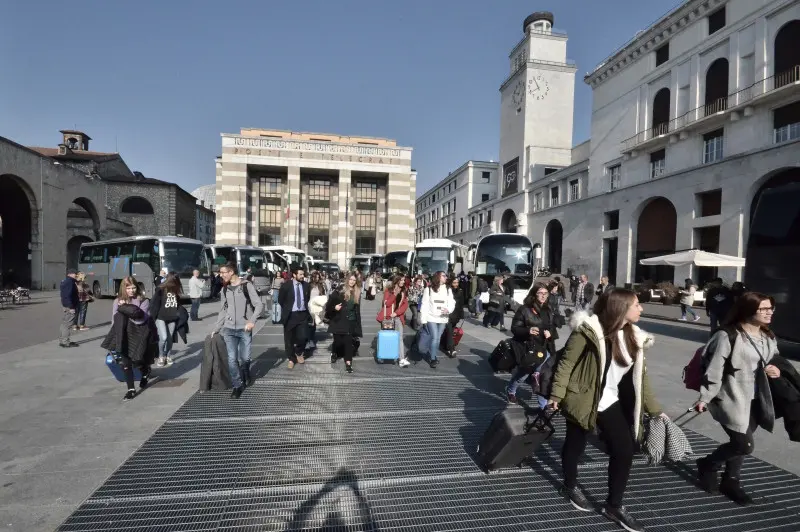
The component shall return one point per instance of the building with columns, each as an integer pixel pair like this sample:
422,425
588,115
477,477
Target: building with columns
691,120
332,196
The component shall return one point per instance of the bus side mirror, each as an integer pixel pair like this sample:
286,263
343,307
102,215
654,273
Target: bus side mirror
452,257
409,256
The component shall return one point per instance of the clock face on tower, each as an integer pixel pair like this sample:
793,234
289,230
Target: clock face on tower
538,87
519,93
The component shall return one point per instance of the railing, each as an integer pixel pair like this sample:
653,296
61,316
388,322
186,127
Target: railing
787,133
759,88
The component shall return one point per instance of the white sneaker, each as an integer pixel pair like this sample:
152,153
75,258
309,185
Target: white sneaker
697,318
682,319
404,363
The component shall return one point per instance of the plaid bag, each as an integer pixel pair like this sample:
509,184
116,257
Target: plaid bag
386,319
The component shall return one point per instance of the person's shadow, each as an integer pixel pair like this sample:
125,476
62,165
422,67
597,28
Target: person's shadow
344,485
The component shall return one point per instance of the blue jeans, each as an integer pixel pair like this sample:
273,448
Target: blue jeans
478,304
164,338
436,330
83,306
237,343
521,374
276,307
195,308
687,309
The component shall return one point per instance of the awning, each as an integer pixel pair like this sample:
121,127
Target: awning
696,258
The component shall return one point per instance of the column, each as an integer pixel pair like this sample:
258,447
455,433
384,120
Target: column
252,211
232,209
399,206
345,245
381,219
303,219
293,198
337,215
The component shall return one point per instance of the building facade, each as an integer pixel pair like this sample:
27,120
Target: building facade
691,119
442,212
205,225
332,196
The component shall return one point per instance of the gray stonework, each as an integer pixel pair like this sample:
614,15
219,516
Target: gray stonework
173,208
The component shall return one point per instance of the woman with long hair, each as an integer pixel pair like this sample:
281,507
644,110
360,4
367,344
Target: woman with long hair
437,304
736,390
393,308
317,289
415,298
533,328
164,310
601,382
456,316
343,311
496,307
134,344
687,300
84,298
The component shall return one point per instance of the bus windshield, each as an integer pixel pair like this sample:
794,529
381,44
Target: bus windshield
504,255
294,257
181,258
773,252
431,260
253,259
361,265
396,259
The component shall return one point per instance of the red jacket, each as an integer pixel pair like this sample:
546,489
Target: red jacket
388,301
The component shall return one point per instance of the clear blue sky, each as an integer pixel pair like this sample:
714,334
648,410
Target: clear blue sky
162,79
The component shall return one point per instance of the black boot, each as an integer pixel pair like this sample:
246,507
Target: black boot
244,371
237,392
732,489
707,477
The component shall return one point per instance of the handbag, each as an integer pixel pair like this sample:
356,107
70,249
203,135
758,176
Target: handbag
484,297
386,320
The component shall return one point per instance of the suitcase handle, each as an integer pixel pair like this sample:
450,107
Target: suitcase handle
541,421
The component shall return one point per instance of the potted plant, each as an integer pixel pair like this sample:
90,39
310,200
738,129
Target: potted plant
670,291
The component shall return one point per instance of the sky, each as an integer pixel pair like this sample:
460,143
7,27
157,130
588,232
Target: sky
159,81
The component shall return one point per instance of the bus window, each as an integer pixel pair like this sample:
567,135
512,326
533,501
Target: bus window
125,250
86,255
146,251
210,266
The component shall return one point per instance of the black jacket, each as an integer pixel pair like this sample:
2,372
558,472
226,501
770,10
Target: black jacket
128,339
457,314
786,396
214,374
338,322
69,293
525,318
286,298
181,326
719,300
588,292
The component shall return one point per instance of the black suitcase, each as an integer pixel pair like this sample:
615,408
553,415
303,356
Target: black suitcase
502,358
513,436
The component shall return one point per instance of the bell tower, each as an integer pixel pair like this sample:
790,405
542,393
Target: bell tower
537,101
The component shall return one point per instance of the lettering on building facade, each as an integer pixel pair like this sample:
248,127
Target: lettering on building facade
318,147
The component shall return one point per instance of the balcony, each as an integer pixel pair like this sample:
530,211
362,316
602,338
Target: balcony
759,92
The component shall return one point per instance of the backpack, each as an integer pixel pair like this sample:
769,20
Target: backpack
694,371
246,296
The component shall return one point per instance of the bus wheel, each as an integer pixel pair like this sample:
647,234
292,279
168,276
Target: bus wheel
96,292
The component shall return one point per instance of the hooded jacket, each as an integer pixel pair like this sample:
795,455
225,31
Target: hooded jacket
578,381
235,312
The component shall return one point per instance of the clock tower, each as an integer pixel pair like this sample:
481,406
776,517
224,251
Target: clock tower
537,102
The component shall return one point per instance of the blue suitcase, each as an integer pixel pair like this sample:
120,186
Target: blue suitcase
388,346
116,368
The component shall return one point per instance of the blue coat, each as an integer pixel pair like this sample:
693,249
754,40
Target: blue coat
69,293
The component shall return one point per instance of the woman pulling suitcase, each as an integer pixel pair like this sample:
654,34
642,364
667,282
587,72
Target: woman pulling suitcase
601,381
344,312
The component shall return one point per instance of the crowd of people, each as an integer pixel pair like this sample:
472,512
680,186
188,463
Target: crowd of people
598,381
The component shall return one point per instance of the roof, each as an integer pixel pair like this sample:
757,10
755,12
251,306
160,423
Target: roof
77,155
140,179
75,132
437,243
178,239
539,15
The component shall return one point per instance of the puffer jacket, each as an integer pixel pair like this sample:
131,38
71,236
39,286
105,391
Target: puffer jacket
578,381
497,299
525,318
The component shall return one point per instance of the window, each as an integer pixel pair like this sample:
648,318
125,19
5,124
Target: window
573,190
538,204
319,190
786,121
488,217
614,173
658,163
611,221
136,205
712,146
554,196
709,203
454,206
480,219
486,176
366,220
716,21
269,240
484,197
365,245
269,187
366,192
548,171
472,223
319,218
662,55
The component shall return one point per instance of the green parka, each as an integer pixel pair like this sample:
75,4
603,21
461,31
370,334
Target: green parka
579,375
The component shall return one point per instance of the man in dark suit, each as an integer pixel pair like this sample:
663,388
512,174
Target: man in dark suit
293,298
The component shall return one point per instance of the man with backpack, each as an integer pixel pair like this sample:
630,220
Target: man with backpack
240,309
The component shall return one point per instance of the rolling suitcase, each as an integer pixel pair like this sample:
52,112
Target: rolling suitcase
458,333
513,436
388,346
502,358
113,363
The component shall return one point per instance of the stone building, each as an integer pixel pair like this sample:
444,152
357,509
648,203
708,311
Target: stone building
332,196
691,120
205,225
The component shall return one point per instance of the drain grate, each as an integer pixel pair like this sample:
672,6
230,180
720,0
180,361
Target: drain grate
387,448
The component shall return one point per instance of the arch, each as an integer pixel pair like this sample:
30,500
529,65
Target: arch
73,250
716,99
656,233
661,103
508,222
554,235
136,205
787,52
17,211
774,179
